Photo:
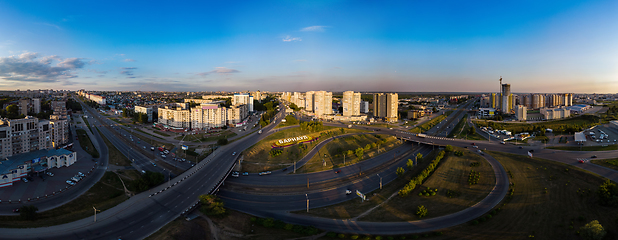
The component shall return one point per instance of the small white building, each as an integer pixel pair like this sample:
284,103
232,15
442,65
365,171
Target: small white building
13,168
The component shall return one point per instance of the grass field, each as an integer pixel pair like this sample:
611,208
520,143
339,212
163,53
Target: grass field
610,163
570,200
466,134
115,156
86,144
257,157
335,150
105,194
355,207
207,137
587,148
459,127
86,122
452,174
139,130
429,124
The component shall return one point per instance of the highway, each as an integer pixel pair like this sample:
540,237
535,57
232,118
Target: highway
145,213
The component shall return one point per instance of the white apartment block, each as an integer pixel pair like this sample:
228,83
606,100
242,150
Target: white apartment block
208,116
96,98
175,117
323,103
555,113
236,114
243,99
29,134
147,110
309,99
351,103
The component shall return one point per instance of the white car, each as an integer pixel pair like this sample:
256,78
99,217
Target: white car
50,174
235,174
348,192
166,152
163,156
81,174
234,154
70,182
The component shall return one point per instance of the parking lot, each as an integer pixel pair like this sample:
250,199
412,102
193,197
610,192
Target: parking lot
601,135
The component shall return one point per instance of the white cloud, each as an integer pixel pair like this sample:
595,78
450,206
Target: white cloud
129,60
313,29
26,67
291,39
219,70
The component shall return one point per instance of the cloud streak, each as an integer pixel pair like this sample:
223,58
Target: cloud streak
219,70
127,70
129,60
313,29
291,39
28,67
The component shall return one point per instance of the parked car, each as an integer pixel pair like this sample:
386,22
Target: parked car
348,192
81,174
245,174
163,156
264,173
154,164
16,210
581,161
235,174
70,182
74,179
24,179
151,148
49,174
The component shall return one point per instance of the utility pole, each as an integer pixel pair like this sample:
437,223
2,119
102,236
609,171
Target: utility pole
380,180
307,197
95,213
294,166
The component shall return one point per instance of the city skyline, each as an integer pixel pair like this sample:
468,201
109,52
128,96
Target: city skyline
549,47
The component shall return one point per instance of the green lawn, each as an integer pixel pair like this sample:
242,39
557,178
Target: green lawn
429,124
610,163
86,144
336,149
257,158
139,130
587,148
459,127
86,122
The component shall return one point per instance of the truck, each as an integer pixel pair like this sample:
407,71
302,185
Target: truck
421,135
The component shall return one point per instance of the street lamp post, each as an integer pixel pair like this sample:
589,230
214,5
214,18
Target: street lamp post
95,213
307,197
380,180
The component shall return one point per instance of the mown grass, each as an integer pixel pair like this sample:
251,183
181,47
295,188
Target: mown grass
429,124
257,157
587,148
610,163
336,149
452,174
86,144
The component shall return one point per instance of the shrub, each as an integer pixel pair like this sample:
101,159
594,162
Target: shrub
331,234
354,237
341,235
269,222
592,231
475,222
421,211
288,227
222,141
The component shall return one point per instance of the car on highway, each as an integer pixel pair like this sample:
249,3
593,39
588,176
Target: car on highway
235,174
16,210
348,192
264,173
70,182
338,171
503,143
49,174
520,147
154,164
594,156
475,146
245,173
581,161
234,154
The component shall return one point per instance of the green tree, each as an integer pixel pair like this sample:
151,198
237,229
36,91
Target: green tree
410,164
12,111
222,141
419,157
360,152
28,212
421,211
211,205
592,231
349,153
368,146
448,148
400,171
472,130
608,193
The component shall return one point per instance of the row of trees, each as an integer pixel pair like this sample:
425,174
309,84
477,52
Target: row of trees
137,117
418,180
312,126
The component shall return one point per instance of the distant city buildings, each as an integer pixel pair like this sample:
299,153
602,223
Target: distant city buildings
93,97
323,103
486,112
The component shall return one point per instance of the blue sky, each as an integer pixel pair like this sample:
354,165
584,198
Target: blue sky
536,46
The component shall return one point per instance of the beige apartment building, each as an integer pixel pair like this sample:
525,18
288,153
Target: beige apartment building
521,113
175,117
386,105
30,134
351,103
323,103
208,116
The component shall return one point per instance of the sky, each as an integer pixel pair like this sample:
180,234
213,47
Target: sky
400,46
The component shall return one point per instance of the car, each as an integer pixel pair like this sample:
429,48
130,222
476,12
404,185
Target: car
166,152
531,150
81,174
594,156
154,164
338,171
285,169
581,161
74,179
24,180
264,173
520,147
143,172
163,156
151,148
49,174
245,173
348,192
503,143
234,154
235,174
16,210
70,182
475,146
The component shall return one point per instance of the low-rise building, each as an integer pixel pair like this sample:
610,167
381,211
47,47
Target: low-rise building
415,114
555,113
486,112
13,168
146,110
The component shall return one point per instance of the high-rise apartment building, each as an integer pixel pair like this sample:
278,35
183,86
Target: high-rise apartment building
30,134
175,117
207,116
243,98
494,101
521,113
146,110
309,100
351,103
386,106
36,104
538,101
323,103
506,101
364,107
